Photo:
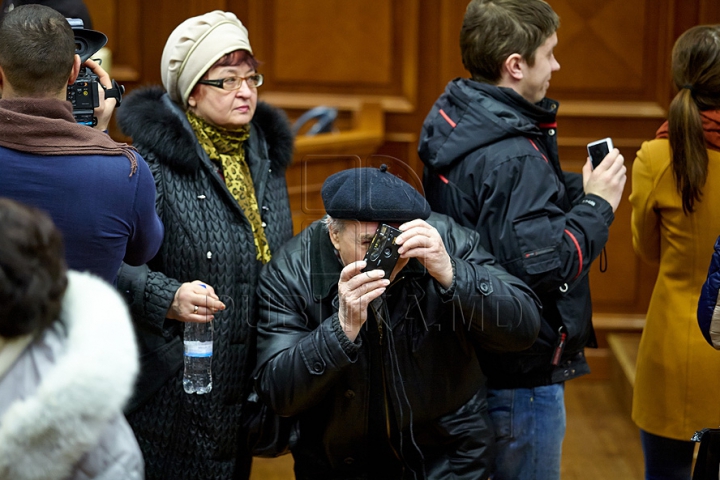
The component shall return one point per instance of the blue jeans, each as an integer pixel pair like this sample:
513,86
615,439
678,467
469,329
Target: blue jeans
529,429
666,458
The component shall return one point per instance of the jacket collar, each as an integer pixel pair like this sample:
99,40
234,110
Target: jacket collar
542,112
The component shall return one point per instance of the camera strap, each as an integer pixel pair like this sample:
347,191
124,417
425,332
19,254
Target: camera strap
115,92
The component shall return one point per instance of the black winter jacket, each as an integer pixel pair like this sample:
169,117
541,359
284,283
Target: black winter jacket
208,238
492,164
307,367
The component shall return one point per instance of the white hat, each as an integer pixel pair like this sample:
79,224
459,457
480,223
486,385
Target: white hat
194,47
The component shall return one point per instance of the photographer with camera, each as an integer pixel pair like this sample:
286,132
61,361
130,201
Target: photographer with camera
380,370
100,193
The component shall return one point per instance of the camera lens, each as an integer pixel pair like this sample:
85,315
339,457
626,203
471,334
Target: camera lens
387,252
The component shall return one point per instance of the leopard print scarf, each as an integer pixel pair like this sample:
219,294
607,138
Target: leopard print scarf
226,148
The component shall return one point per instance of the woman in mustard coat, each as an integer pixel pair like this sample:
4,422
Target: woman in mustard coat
675,220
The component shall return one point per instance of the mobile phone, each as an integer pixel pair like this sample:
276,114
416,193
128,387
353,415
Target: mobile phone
383,251
598,150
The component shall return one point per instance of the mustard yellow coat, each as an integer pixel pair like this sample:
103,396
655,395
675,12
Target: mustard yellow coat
677,384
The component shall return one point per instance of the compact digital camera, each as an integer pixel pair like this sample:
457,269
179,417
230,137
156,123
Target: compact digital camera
383,251
83,94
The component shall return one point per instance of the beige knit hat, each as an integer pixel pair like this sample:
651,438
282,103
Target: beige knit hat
194,46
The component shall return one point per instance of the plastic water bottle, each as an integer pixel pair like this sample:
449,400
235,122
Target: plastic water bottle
198,340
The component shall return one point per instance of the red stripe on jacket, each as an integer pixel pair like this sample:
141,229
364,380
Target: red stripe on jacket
580,255
536,148
448,119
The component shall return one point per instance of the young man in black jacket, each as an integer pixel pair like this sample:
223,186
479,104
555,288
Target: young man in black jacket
382,373
490,150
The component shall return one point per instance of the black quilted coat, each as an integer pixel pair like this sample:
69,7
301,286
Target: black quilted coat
208,238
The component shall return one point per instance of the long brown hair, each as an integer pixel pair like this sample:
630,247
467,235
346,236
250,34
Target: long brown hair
696,73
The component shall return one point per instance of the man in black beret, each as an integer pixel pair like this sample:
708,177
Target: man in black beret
381,373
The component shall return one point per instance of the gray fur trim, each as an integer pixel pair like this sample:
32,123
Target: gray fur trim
46,434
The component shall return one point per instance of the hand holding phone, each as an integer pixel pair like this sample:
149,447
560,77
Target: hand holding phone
598,150
383,251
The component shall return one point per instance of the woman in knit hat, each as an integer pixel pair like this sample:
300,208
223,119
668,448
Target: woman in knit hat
219,158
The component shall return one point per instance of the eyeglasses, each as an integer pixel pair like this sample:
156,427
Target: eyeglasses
235,83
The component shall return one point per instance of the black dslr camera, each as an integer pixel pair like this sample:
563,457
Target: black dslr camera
383,251
83,94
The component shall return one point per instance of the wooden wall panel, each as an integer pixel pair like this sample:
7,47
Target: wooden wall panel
312,53
598,60
328,48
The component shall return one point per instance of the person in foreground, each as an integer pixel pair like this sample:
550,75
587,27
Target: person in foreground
382,373
99,193
489,145
219,158
675,219
68,361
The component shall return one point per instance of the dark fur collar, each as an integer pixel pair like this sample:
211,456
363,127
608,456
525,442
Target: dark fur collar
158,126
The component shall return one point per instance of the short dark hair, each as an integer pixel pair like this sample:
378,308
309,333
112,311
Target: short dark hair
33,272
235,59
493,30
37,50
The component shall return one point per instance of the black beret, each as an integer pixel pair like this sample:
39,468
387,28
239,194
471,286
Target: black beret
372,195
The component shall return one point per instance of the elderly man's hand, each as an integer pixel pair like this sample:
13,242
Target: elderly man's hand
422,241
356,290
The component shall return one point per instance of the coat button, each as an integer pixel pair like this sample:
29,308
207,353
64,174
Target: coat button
551,132
484,287
209,255
349,394
264,224
349,461
317,367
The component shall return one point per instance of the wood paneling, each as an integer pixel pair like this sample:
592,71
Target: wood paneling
324,50
318,157
602,48
349,30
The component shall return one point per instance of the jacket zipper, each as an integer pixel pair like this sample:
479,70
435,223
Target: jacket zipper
379,321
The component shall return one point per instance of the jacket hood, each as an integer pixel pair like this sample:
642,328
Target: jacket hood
470,115
44,435
153,121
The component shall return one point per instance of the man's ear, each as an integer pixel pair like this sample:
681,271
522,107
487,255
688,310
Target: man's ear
75,70
334,238
512,68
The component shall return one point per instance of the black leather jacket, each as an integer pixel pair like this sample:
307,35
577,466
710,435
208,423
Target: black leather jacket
492,165
431,378
208,238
